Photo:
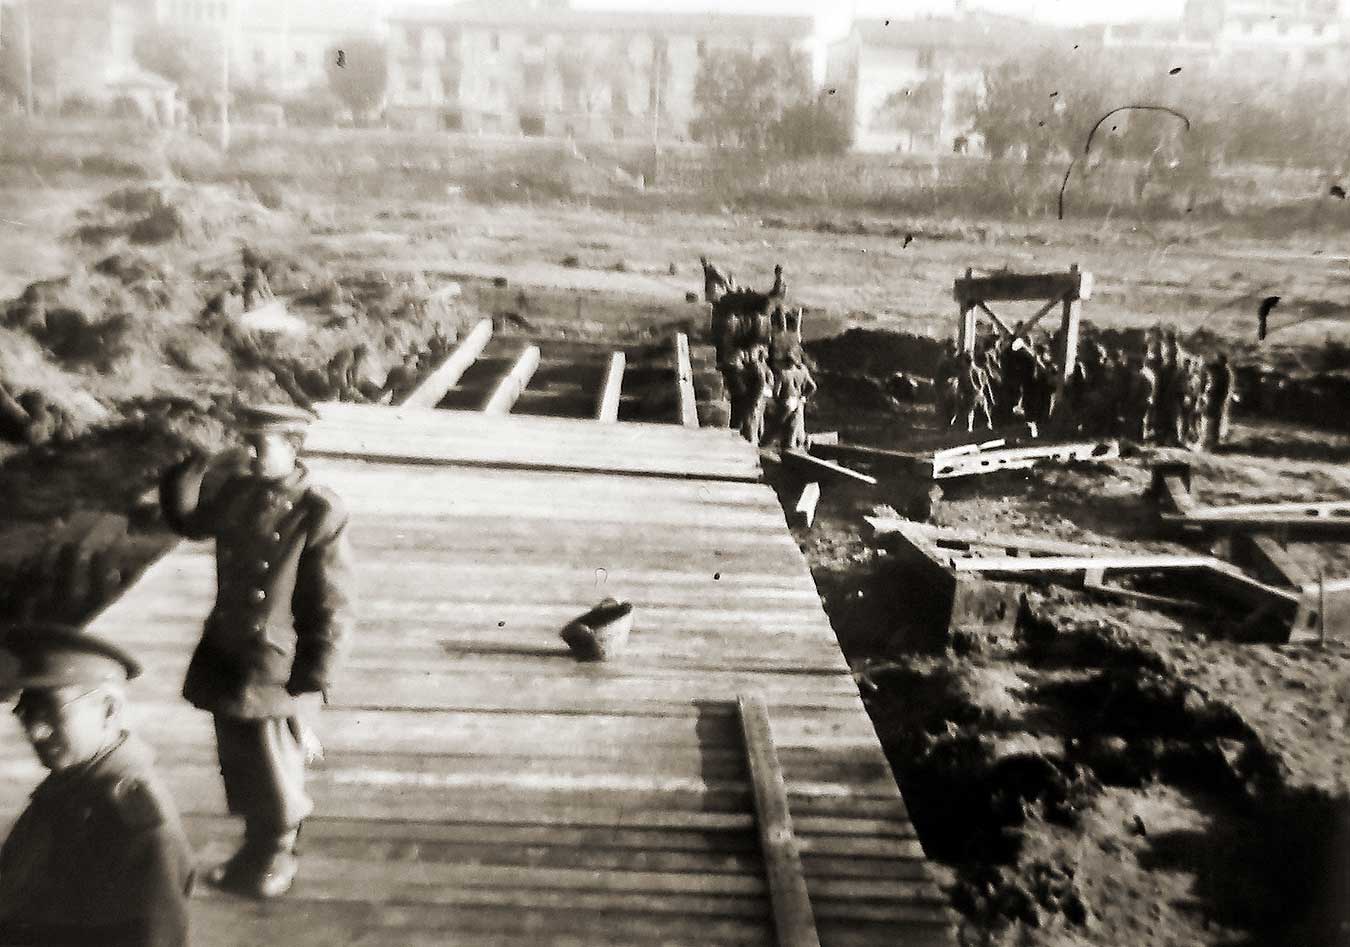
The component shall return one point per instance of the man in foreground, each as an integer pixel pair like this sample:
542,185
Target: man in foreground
99,855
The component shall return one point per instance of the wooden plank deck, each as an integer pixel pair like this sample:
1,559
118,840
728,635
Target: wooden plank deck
482,787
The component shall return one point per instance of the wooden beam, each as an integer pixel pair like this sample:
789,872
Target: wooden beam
509,389
1269,560
881,527
819,464
1293,512
446,375
1074,285
1068,340
684,382
793,918
805,508
1020,458
607,410
999,323
1128,563
962,449
826,438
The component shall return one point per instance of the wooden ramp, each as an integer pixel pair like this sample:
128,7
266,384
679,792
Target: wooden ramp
481,786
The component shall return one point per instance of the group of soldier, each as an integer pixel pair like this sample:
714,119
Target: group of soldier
759,353
100,856
1163,395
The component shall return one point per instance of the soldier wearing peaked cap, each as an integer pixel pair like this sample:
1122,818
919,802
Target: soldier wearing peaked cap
99,856
270,645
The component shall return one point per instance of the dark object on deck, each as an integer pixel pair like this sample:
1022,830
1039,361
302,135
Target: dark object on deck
601,633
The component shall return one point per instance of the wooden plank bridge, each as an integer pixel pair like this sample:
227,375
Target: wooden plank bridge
481,786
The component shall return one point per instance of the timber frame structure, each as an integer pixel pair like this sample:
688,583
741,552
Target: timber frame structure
1067,290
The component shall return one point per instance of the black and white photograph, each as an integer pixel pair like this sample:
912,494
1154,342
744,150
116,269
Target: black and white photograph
697,473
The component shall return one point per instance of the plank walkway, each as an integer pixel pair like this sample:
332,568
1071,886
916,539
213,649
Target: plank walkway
481,786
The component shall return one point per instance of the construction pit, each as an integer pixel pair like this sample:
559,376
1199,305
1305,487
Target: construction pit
1081,769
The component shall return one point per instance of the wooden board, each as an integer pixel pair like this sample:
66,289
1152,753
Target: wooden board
684,382
611,390
794,920
469,437
1076,284
446,375
1021,458
480,785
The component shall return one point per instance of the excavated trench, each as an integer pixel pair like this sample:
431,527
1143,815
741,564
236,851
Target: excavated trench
1012,753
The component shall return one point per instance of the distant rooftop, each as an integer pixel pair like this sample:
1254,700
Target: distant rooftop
556,18
969,29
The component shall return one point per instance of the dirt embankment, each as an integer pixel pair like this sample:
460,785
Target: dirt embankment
109,372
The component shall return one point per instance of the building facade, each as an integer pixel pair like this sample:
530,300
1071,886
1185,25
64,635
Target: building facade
912,84
280,45
545,69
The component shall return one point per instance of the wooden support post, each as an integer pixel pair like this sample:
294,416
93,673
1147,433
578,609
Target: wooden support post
793,918
430,392
509,390
684,382
1068,335
607,410
805,508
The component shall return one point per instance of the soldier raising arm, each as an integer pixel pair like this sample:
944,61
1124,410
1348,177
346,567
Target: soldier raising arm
272,640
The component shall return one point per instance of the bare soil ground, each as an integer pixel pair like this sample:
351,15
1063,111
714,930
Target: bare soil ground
1109,776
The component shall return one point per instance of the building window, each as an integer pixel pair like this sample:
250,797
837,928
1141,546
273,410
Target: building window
452,41
1316,57
495,41
926,58
702,51
300,58
259,56
414,82
415,38
452,121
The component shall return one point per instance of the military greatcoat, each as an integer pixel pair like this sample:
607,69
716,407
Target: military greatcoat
98,857
283,609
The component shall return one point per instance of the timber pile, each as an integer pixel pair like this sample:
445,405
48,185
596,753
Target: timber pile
954,560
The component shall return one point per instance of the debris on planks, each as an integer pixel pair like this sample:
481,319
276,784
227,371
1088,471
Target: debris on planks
1177,508
812,467
830,438
947,464
804,511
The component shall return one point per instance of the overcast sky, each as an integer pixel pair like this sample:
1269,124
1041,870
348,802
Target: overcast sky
832,16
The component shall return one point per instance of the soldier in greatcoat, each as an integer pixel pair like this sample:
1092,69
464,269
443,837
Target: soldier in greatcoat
99,855
282,616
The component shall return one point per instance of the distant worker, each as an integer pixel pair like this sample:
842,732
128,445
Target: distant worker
757,390
99,855
795,388
271,644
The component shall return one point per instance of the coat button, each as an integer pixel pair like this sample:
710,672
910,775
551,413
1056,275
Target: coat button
259,595
276,537
288,506
263,565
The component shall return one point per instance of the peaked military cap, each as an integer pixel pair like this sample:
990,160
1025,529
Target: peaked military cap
52,655
275,418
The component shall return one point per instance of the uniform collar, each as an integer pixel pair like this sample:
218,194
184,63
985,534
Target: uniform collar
126,756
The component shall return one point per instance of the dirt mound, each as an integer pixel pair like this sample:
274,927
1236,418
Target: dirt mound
155,214
877,353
